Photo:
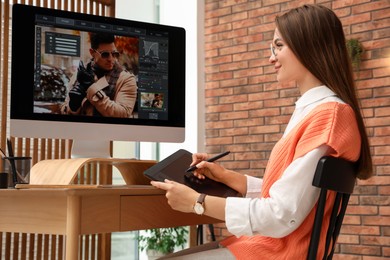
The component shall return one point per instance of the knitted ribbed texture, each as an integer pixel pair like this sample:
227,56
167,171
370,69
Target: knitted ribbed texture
333,124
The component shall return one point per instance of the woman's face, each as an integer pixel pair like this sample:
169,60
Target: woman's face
287,66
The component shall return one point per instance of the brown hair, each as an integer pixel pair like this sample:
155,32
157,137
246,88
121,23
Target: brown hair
315,35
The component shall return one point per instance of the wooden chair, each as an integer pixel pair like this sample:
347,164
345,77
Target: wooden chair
332,174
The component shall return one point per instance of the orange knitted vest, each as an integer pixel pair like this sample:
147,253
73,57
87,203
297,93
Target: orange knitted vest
333,124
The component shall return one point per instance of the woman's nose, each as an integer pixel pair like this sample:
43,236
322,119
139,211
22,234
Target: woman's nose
272,58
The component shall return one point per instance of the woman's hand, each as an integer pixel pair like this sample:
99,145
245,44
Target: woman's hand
180,197
218,173
211,170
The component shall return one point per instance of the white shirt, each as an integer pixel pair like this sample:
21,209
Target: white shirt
292,196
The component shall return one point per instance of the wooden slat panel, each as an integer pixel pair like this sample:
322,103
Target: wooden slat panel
15,243
23,253
31,246
47,247
8,245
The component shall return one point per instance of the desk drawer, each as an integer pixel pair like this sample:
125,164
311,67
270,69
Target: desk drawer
100,214
145,212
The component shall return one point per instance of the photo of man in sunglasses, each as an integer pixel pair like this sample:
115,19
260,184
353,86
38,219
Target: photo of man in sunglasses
102,87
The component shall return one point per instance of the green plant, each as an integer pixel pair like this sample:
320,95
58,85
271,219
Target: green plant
163,240
355,50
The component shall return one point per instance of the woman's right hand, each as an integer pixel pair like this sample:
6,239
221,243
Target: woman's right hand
211,170
216,172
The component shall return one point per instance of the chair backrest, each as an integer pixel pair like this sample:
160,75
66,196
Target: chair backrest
333,174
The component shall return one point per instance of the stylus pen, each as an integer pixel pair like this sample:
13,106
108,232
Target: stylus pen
212,159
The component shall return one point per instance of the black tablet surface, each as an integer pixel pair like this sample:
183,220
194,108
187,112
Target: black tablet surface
174,168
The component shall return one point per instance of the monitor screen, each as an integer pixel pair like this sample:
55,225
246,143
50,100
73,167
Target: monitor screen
95,79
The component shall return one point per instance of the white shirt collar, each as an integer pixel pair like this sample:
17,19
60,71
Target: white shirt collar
313,95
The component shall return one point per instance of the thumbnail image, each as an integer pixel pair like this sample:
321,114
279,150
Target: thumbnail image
152,100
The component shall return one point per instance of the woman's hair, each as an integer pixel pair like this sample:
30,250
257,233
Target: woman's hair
315,35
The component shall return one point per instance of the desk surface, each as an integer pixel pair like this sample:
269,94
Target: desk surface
76,211
98,210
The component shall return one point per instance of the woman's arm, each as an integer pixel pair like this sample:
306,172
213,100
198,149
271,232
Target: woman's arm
292,197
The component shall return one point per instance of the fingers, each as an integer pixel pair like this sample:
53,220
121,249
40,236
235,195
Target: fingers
166,185
198,157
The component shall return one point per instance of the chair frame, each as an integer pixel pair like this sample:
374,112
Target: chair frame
332,174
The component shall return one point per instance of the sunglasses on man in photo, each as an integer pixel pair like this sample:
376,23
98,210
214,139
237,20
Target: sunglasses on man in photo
106,54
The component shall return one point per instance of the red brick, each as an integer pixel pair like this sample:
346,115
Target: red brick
265,129
372,6
361,18
383,13
373,25
348,239
372,83
248,139
384,191
248,105
233,17
218,28
249,122
375,220
386,251
219,124
381,72
234,115
375,240
344,256
359,230
360,249
382,131
233,82
382,92
249,39
234,131
218,60
219,140
218,12
362,210
218,92
261,106
246,6
247,72
245,24
380,140
236,165
218,44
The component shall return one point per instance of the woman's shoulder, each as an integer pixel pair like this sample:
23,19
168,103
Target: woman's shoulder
333,109
333,124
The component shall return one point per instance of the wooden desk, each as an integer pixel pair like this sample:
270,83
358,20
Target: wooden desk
77,211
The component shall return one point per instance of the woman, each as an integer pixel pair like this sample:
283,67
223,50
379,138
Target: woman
275,218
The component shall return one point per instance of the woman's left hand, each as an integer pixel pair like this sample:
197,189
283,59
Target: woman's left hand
180,197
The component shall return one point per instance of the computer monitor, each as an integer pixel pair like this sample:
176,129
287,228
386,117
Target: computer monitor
47,47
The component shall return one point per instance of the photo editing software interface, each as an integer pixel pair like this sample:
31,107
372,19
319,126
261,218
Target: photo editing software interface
61,43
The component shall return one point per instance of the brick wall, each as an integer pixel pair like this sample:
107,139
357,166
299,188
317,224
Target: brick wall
247,110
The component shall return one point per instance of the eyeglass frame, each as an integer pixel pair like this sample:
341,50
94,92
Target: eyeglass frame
112,53
273,50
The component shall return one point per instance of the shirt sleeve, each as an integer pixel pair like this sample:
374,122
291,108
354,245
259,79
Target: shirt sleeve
292,197
253,185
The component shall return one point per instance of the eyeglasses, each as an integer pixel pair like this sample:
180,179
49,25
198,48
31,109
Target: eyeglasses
106,54
273,50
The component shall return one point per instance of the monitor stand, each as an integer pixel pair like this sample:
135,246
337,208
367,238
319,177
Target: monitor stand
91,149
